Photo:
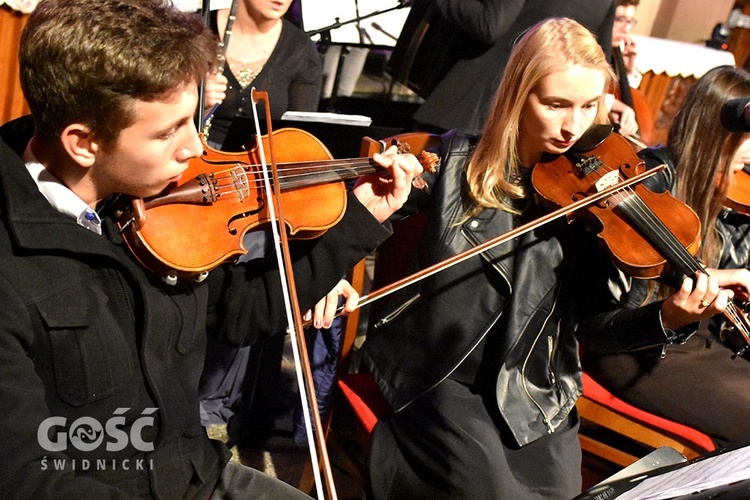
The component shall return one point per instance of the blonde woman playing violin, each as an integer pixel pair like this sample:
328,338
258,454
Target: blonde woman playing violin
479,364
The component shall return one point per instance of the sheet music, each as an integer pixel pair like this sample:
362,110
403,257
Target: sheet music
314,116
722,469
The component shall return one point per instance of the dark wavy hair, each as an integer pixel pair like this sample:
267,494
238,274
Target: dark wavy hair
86,61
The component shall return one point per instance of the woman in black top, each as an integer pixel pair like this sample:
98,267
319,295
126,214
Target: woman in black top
700,383
268,52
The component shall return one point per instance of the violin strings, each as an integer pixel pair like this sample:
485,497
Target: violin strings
302,173
679,252
690,263
634,206
308,167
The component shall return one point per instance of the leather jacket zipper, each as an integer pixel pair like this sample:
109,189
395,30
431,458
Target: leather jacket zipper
545,418
393,315
550,353
474,241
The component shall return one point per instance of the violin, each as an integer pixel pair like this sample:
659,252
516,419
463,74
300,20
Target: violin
645,232
199,223
738,192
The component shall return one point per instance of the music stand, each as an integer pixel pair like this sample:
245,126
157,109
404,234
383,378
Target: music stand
724,474
352,23
361,23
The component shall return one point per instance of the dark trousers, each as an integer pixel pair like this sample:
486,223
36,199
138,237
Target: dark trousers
448,444
698,384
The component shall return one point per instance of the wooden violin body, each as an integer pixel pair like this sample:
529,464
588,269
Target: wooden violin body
176,235
630,222
738,193
644,115
636,100
199,223
645,232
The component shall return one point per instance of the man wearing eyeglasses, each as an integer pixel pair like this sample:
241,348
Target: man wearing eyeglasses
624,51
624,23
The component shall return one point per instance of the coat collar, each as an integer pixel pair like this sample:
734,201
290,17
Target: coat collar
32,222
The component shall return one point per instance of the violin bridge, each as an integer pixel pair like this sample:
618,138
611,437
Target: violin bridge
586,165
609,179
241,184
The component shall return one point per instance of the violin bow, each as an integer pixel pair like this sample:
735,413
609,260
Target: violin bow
223,46
514,233
319,453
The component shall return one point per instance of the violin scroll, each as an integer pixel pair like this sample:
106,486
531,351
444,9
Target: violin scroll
429,160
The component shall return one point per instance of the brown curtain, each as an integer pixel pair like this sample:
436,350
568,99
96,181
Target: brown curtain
12,103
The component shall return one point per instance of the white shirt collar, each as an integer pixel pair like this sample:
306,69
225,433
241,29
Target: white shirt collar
59,196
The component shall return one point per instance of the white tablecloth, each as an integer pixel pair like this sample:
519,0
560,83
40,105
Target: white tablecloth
659,55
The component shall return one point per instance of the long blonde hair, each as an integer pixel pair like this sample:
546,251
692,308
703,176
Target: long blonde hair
543,49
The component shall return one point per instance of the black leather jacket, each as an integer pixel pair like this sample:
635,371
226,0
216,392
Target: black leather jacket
507,322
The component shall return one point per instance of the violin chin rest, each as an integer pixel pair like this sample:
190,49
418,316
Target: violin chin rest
592,138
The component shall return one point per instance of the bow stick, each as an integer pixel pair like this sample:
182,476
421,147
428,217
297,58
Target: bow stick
305,382
514,233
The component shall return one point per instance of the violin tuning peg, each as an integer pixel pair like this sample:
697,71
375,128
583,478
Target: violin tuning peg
429,161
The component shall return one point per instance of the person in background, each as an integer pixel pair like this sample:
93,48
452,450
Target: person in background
265,51
623,26
624,51
701,383
487,30
268,52
479,363
100,356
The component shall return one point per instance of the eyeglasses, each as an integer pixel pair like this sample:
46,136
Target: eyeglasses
624,20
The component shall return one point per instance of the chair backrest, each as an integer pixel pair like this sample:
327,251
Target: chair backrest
390,263
613,419
361,397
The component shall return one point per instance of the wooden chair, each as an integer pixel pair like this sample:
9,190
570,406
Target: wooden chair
617,431
358,403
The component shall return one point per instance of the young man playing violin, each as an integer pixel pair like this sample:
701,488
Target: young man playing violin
100,358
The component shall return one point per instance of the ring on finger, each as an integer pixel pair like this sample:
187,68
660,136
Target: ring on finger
705,303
